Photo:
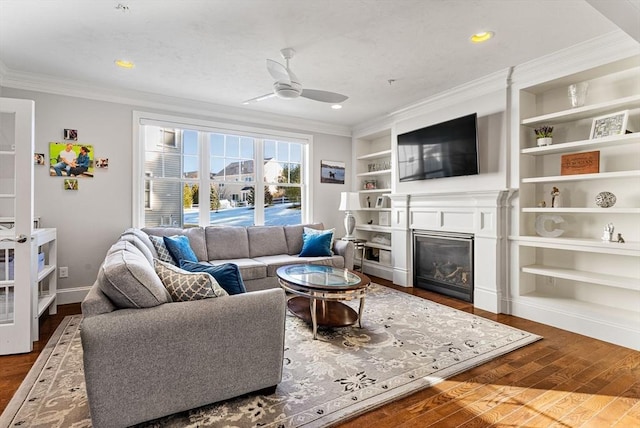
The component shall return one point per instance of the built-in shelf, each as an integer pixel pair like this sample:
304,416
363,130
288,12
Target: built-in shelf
378,246
7,195
374,173
375,209
46,272
376,264
7,152
373,228
376,155
584,177
585,112
581,244
44,301
375,191
594,210
584,276
610,141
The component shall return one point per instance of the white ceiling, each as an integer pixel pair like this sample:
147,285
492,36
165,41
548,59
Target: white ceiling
215,50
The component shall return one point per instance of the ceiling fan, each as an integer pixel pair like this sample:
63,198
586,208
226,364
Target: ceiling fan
288,86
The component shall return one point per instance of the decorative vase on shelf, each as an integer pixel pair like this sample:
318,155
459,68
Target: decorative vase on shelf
578,94
546,141
605,199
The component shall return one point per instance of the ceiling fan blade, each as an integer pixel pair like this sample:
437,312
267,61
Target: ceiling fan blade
260,98
278,71
323,96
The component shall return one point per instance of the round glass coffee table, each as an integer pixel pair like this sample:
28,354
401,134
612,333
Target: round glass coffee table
318,293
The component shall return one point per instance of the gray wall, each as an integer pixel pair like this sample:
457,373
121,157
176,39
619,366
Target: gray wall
90,220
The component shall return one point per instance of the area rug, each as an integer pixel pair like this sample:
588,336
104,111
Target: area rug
406,344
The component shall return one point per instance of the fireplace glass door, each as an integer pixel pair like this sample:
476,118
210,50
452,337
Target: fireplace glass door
443,263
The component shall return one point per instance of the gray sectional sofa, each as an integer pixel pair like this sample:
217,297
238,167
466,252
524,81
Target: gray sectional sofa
257,250
146,357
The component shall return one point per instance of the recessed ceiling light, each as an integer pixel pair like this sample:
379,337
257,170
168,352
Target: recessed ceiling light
336,106
482,37
124,63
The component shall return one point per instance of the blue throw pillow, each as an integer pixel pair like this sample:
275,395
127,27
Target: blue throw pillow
179,248
316,244
227,275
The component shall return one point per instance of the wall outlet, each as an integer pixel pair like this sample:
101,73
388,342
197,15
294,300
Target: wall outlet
63,272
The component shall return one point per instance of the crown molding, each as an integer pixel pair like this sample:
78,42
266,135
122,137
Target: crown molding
138,99
471,90
611,47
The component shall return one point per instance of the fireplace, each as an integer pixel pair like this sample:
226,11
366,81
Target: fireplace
443,263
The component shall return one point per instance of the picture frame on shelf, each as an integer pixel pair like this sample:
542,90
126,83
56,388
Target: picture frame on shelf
370,184
380,202
609,124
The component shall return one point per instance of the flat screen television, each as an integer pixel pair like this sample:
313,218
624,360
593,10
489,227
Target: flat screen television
446,149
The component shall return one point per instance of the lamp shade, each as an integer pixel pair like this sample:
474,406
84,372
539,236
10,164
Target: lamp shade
349,201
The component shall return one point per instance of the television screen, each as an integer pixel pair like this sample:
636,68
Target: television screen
447,149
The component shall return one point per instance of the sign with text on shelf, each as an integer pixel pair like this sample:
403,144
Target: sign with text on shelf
580,163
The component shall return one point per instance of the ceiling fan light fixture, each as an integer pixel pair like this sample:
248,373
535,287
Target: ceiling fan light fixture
336,106
123,63
482,36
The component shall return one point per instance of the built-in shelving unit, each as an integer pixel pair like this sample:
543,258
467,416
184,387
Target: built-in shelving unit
373,178
578,281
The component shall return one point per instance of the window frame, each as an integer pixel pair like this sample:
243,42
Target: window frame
140,119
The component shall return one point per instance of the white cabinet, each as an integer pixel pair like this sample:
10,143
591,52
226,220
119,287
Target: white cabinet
374,175
577,281
43,285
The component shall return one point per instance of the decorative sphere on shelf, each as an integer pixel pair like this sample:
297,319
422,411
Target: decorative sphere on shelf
605,199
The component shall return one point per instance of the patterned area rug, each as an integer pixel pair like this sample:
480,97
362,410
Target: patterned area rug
406,344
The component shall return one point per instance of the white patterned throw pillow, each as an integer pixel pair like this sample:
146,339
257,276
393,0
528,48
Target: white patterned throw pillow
185,286
161,249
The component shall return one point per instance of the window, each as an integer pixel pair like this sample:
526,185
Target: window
237,167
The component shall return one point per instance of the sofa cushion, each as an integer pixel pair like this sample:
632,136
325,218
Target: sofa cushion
316,244
195,235
137,242
227,275
266,241
276,261
179,248
293,234
128,280
186,286
249,268
144,238
227,242
161,249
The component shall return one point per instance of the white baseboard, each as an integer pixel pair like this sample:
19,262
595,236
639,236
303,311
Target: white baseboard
602,329
486,299
64,296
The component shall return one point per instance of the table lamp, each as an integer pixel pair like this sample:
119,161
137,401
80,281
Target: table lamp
349,201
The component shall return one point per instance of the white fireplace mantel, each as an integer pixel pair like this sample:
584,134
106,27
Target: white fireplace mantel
481,213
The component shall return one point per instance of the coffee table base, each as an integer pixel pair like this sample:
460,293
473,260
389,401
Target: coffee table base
328,313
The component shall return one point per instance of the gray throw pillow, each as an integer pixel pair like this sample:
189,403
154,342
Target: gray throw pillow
128,280
185,286
161,249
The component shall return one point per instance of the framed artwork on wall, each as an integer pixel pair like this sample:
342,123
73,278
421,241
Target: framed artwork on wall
70,159
332,172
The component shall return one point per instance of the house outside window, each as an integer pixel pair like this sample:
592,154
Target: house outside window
244,166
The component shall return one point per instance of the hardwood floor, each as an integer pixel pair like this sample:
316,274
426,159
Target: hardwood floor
564,380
